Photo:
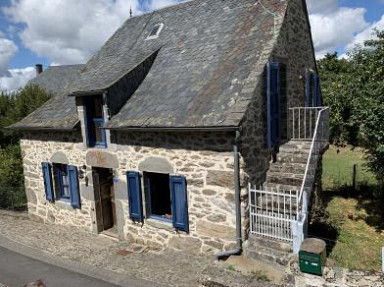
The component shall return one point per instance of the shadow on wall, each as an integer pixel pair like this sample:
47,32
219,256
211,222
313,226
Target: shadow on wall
196,140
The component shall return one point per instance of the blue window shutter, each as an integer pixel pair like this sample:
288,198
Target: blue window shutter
178,188
308,88
317,99
47,176
74,186
135,196
273,104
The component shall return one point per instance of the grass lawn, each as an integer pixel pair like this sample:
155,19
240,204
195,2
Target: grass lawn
338,167
356,216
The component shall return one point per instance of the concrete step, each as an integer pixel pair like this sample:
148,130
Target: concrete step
291,158
285,178
256,241
293,150
303,145
268,255
281,187
287,167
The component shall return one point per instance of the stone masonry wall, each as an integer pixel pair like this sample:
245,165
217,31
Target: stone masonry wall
294,45
38,147
206,159
291,46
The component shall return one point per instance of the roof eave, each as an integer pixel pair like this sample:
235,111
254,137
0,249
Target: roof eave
177,129
87,93
31,128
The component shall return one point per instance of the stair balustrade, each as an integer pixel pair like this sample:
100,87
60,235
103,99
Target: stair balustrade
280,212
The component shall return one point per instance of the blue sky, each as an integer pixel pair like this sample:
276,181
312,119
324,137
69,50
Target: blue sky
55,32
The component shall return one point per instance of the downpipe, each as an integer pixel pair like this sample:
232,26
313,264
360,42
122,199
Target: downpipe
238,249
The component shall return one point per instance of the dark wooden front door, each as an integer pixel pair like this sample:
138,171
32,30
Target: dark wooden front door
104,198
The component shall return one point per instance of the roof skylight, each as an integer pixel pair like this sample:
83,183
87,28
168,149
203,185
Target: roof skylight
155,31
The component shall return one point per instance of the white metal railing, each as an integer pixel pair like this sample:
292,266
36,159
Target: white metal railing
319,142
272,212
282,214
303,122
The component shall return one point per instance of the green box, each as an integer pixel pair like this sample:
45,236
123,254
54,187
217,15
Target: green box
312,256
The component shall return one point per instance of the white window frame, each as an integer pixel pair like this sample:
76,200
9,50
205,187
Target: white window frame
157,33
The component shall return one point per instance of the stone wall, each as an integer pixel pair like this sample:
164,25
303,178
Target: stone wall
290,45
38,147
206,159
294,47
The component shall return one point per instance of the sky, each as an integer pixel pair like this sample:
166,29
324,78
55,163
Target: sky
63,32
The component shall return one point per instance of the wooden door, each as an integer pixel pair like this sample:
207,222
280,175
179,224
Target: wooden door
98,206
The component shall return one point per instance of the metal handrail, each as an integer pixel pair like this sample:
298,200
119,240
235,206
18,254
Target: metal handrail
315,140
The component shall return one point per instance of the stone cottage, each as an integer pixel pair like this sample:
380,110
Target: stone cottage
155,139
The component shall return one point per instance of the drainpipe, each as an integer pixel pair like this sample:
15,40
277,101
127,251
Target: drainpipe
238,249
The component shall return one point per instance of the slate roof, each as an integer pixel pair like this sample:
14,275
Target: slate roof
59,112
201,77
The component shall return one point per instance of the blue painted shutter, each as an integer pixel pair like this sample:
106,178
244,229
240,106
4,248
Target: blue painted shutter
273,104
74,186
178,188
47,176
135,196
317,99
308,91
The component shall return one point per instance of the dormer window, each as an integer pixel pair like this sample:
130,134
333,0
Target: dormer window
94,123
155,32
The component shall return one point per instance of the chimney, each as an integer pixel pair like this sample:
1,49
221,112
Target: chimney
39,69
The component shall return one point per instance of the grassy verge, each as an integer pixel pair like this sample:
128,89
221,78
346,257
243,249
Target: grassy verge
355,225
338,168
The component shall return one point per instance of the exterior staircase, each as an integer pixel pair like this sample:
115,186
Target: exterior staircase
278,208
285,175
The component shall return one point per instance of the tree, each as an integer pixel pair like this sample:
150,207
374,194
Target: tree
353,88
14,106
369,111
338,90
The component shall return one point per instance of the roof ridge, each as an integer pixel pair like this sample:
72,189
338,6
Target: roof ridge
70,65
169,7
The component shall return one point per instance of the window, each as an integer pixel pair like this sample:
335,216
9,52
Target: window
165,196
66,183
95,122
61,181
159,195
155,32
312,89
277,110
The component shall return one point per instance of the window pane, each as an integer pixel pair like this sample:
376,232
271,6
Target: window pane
65,185
154,31
98,107
160,194
98,131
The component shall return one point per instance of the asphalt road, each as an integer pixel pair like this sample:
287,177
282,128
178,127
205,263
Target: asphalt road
16,270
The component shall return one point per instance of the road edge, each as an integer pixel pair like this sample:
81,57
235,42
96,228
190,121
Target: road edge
74,266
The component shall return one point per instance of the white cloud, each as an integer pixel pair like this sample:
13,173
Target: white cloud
70,31
16,79
336,29
322,6
63,31
67,31
7,51
157,4
339,28
366,34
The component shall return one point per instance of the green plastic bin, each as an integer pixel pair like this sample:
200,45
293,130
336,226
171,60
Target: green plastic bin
312,256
